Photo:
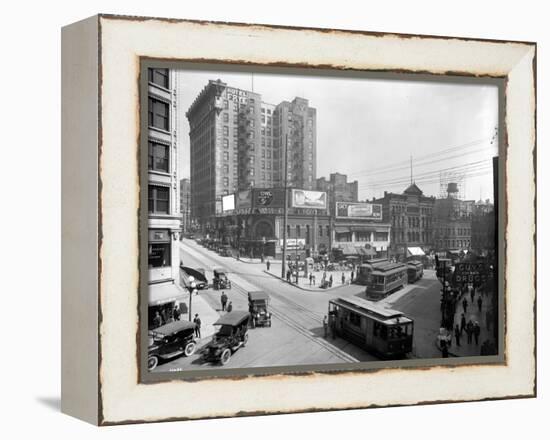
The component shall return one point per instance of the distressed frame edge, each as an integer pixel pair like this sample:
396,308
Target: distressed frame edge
104,422
80,120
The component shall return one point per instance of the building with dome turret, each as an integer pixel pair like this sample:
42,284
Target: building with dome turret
410,215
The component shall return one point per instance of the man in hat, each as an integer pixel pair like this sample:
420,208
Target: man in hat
197,322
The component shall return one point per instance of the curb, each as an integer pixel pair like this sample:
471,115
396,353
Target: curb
303,288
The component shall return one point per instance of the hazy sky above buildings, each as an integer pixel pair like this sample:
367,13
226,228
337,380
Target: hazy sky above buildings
369,129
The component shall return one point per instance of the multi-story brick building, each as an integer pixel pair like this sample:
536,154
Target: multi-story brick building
453,222
410,216
483,227
164,220
237,143
338,189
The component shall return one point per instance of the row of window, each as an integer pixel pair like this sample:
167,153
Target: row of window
453,243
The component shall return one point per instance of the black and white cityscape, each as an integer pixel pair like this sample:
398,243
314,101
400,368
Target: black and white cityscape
303,220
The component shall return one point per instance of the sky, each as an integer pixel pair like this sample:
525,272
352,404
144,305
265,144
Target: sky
372,129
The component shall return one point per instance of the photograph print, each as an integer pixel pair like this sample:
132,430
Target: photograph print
322,220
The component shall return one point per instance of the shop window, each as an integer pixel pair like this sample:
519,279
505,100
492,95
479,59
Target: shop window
159,255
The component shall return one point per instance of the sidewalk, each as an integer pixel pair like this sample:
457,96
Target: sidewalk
304,283
207,314
473,314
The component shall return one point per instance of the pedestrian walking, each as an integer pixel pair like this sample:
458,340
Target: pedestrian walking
352,276
313,280
177,313
458,333
310,279
157,320
444,351
476,331
268,265
223,299
343,278
465,305
470,330
229,307
479,303
472,295
330,281
197,322
288,275
462,323
325,326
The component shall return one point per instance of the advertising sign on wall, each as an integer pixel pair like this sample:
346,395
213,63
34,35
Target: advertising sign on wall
309,199
244,199
228,202
294,243
268,198
369,211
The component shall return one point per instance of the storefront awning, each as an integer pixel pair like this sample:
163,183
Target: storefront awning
341,229
164,293
415,251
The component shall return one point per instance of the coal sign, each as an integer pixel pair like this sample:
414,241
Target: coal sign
471,273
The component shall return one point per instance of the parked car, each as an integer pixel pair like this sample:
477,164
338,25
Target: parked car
225,250
232,335
258,302
171,340
199,274
221,281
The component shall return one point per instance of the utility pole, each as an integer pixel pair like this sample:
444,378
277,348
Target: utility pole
285,218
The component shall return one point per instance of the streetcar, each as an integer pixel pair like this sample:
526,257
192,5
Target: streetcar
385,279
385,332
364,270
415,271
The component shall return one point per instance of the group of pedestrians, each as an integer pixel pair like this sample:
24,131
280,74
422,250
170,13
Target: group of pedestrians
227,306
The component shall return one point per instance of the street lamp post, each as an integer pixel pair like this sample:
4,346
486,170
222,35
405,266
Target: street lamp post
192,287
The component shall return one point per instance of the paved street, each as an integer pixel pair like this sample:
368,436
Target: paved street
296,336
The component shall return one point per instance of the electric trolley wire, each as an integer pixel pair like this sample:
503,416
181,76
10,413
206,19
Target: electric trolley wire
420,160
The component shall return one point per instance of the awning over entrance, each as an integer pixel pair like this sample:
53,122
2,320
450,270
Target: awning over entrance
164,293
349,250
341,229
415,251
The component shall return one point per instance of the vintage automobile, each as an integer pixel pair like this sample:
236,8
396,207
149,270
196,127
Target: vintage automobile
198,274
221,281
171,340
258,302
231,336
225,250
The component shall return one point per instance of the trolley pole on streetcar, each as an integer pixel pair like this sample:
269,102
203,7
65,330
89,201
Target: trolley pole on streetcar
285,218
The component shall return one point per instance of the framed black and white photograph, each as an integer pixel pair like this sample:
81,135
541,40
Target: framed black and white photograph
341,218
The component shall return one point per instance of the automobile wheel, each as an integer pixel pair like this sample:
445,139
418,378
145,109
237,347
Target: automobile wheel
152,362
226,355
245,339
190,349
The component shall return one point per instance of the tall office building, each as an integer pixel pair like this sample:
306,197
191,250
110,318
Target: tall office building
164,219
237,143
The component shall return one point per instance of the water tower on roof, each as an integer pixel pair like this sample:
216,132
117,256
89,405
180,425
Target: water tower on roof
451,185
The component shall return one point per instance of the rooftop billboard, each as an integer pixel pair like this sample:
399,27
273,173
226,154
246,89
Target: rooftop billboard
354,210
308,199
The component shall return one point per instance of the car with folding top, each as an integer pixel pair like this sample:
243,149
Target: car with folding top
170,340
220,280
258,304
231,335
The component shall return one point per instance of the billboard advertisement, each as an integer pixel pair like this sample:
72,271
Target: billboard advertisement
294,243
244,199
309,199
354,210
269,198
228,202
